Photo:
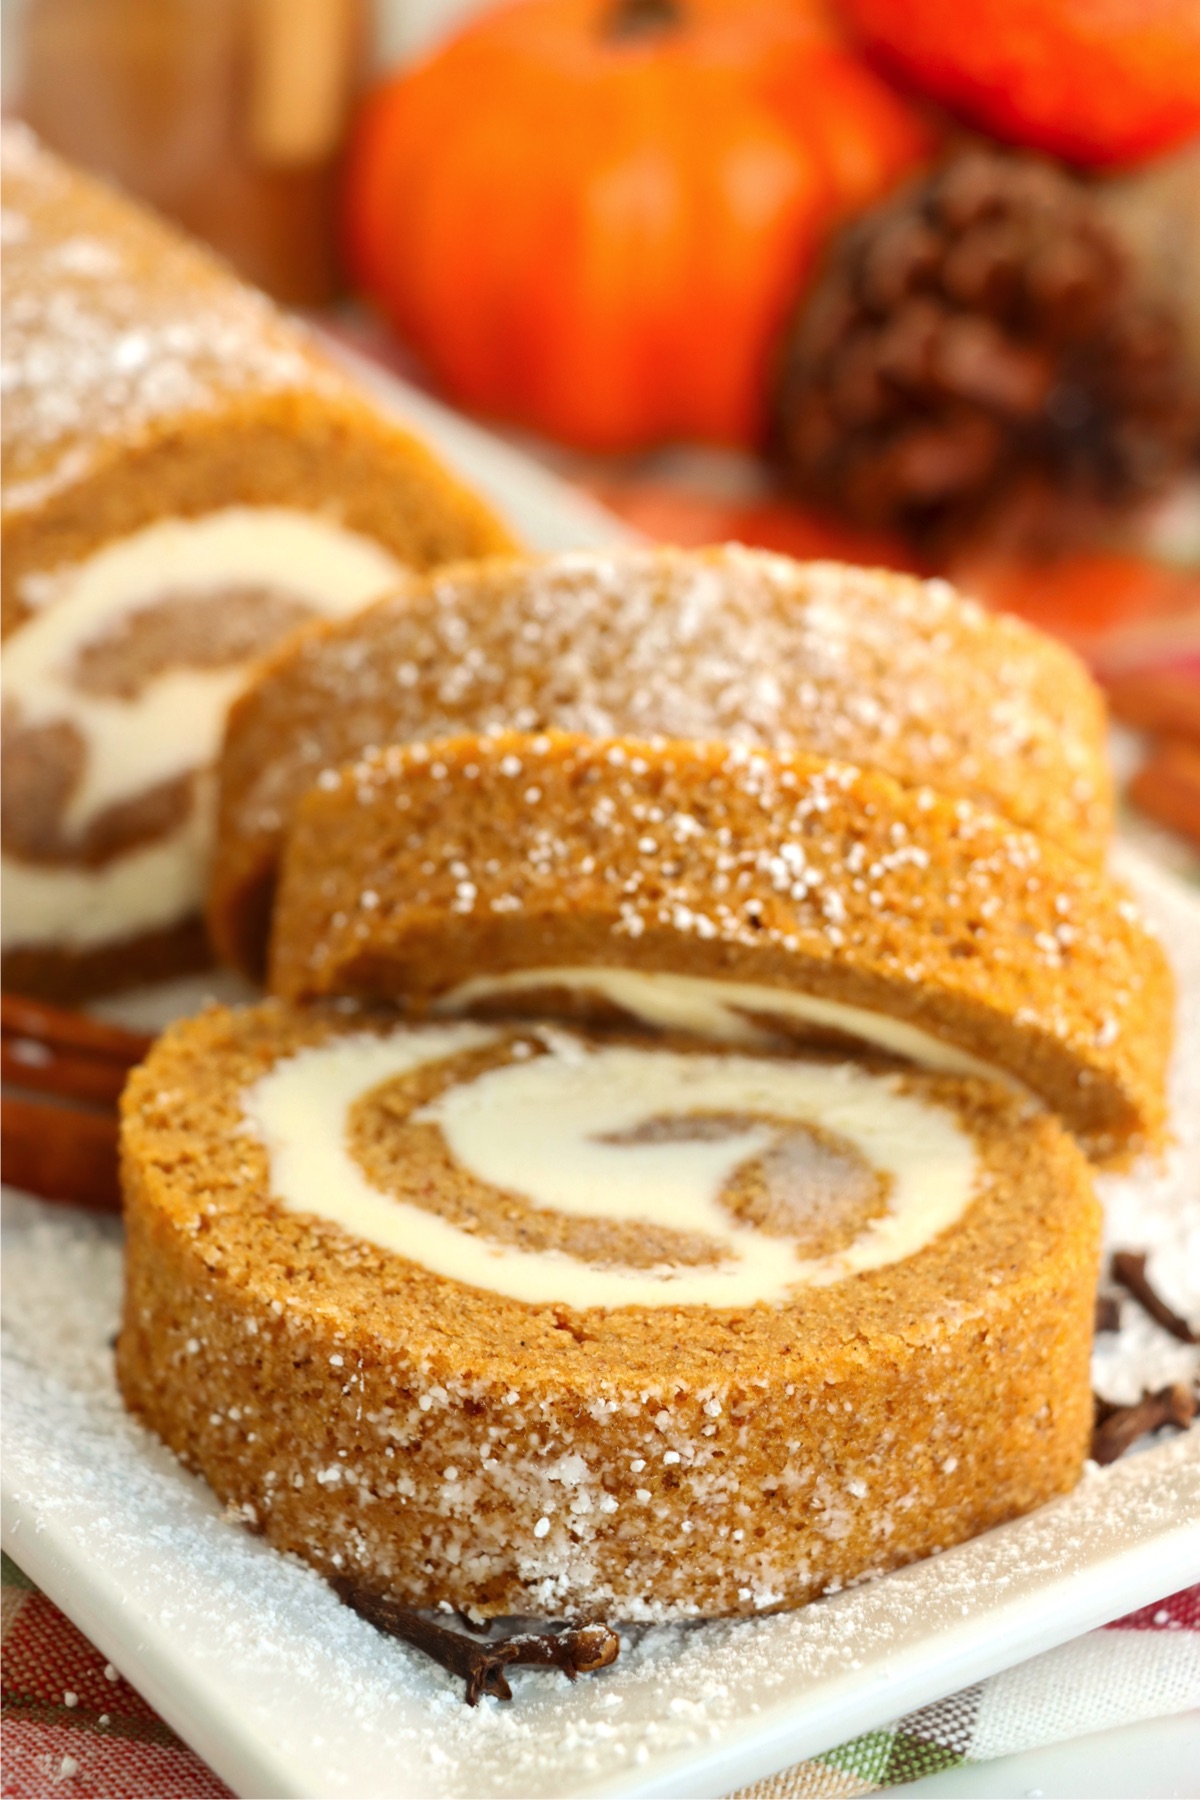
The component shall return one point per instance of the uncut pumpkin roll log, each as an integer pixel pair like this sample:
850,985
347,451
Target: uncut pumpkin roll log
874,668
563,1322
185,480
734,892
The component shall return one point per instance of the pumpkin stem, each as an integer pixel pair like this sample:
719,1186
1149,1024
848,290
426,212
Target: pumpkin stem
642,18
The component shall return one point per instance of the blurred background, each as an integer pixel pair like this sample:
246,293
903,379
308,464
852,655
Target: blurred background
899,281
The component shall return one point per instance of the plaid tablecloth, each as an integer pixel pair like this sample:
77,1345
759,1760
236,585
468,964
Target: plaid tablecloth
74,1726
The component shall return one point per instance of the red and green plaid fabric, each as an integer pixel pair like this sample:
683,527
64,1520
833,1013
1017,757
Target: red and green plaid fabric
73,1726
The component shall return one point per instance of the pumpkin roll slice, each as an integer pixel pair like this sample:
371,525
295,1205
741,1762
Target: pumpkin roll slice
875,669
185,481
736,893
555,1321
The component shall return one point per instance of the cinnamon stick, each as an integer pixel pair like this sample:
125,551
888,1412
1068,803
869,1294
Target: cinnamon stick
39,1022
30,1063
60,1153
65,1148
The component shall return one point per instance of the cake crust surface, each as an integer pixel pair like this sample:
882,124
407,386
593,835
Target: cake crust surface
726,644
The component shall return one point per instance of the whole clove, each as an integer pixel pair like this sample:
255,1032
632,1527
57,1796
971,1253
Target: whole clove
1117,1427
1108,1313
577,1651
1129,1269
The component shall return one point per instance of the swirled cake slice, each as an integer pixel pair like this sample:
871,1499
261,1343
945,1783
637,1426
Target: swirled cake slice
741,894
185,479
545,1321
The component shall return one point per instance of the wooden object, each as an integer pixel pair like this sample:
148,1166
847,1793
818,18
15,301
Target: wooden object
63,1147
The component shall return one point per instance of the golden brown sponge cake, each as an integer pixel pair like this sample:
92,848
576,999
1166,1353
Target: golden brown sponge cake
738,893
521,1320
731,644
184,480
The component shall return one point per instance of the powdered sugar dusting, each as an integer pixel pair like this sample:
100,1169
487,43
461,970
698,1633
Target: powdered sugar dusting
113,325
729,645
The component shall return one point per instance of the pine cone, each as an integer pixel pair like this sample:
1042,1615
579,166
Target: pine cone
983,345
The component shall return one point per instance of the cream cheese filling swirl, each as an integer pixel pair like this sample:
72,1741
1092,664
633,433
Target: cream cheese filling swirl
731,1012
173,725
556,1129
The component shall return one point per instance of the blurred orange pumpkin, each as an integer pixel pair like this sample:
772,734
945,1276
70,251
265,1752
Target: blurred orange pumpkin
591,217
1099,82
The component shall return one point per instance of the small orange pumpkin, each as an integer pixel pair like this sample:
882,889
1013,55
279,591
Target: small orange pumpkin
591,217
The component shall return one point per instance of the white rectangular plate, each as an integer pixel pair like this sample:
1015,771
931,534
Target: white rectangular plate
285,1692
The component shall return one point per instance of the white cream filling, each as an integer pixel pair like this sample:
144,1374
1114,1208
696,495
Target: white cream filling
539,1127
151,888
718,1009
174,725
